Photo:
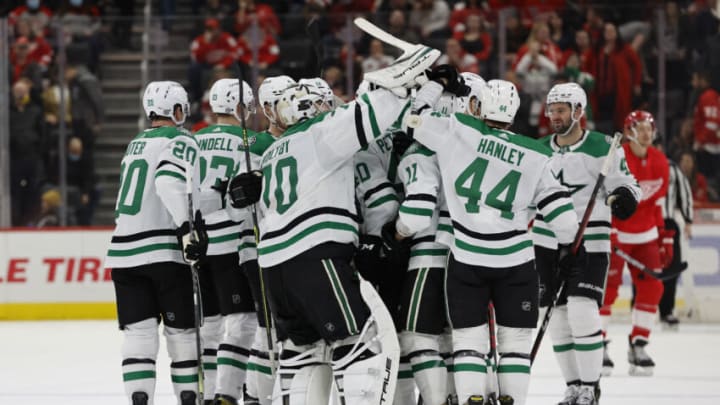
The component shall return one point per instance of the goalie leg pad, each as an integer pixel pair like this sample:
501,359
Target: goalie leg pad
304,376
428,368
139,352
514,365
234,351
211,332
563,344
184,365
366,366
471,346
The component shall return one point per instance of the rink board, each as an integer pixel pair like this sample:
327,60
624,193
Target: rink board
59,274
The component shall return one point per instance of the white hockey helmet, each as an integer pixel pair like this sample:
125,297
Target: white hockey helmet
321,86
500,101
297,103
270,91
477,87
161,98
225,97
570,93
447,104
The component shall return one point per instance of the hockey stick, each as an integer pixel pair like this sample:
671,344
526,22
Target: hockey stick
253,211
578,240
313,31
384,36
197,299
493,357
640,266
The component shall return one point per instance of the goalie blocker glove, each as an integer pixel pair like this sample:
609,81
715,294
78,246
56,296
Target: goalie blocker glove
245,189
570,265
195,245
622,203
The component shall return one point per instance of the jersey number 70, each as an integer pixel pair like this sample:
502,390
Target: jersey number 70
285,172
501,196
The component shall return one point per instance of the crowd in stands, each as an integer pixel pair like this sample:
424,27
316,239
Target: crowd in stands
611,48
38,30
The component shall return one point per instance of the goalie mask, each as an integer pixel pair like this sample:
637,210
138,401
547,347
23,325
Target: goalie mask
161,98
269,93
572,94
296,104
320,86
225,98
500,101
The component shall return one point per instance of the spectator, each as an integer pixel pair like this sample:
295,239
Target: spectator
541,34
397,26
87,107
581,48
264,14
219,10
81,25
674,44
37,16
560,34
516,34
213,48
463,10
50,202
51,104
27,145
535,71
430,18
703,26
594,25
268,51
454,55
376,59
698,182
706,126
476,40
81,181
618,76
335,78
30,58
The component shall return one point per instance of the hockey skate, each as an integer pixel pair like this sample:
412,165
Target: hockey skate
476,400
506,400
139,398
221,399
640,362
571,394
608,364
188,398
670,322
586,395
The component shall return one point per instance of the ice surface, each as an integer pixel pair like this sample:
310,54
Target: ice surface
78,362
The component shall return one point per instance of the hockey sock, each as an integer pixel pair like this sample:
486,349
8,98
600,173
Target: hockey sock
514,364
211,332
259,372
470,349
405,388
139,351
643,318
563,344
584,321
184,365
445,344
233,353
428,368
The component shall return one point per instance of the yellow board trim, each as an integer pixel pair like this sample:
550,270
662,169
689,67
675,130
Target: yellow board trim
32,311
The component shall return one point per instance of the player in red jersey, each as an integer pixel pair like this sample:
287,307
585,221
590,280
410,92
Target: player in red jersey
642,236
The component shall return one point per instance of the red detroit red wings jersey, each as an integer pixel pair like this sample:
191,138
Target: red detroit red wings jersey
652,173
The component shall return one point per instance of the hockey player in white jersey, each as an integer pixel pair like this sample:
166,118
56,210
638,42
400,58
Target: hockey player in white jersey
269,93
575,326
309,232
491,178
228,305
151,246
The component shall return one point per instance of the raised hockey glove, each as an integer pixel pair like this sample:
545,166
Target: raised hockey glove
450,79
622,203
245,189
392,247
570,265
195,245
665,243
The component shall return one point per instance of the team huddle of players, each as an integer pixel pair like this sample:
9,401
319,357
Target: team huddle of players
401,241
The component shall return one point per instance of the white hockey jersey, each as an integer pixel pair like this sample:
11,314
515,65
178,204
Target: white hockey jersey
418,214
578,167
491,178
152,201
375,193
221,154
308,194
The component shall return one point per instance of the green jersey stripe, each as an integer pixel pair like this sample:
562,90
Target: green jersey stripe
513,368
138,375
226,361
307,231
428,364
415,299
588,347
597,236
170,174
259,368
543,231
405,374
340,296
494,251
557,211
416,211
143,249
478,368
223,238
184,379
445,228
428,252
371,114
383,200
563,348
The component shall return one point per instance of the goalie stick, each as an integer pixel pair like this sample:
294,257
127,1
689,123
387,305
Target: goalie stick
577,241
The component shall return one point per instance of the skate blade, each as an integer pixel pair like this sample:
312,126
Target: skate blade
606,371
638,371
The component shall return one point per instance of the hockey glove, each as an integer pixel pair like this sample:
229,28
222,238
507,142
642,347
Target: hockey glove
665,242
570,265
195,245
450,79
245,189
221,187
622,203
368,260
395,249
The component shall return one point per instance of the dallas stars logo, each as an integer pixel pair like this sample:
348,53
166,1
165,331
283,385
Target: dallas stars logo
573,188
